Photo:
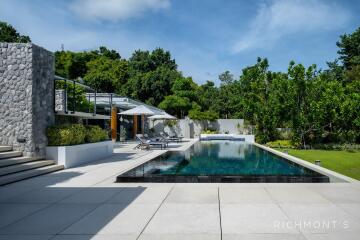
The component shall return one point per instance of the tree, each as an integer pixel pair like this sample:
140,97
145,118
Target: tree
226,77
176,105
73,65
106,74
9,34
208,96
349,51
151,76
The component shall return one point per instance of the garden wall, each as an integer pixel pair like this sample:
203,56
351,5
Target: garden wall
192,129
26,96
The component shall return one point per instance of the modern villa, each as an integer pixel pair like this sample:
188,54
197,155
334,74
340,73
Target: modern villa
76,163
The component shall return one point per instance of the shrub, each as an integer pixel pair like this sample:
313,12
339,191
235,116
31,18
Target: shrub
95,134
209,131
63,135
73,134
280,144
207,115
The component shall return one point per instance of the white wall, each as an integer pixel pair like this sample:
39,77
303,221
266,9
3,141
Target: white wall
191,129
72,156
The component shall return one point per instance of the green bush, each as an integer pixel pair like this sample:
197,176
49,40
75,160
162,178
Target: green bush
280,144
73,134
63,135
209,131
95,134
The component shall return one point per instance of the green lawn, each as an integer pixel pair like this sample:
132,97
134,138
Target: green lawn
344,162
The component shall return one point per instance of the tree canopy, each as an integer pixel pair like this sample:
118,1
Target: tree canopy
319,106
9,34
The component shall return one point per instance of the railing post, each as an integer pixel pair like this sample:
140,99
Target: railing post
95,103
66,97
89,104
74,100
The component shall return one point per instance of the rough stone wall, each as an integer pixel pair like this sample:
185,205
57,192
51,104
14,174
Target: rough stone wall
26,96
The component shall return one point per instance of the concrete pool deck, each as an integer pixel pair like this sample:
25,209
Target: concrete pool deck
84,203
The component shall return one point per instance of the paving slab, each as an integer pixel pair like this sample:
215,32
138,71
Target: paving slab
180,237
252,218
26,237
92,195
352,209
193,194
296,194
185,219
114,219
264,236
10,213
320,218
333,236
140,194
50,220
245,195
339,194
44,195
94,237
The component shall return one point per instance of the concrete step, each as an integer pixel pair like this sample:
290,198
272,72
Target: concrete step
25,166
16,160
5,148
29,173
10,154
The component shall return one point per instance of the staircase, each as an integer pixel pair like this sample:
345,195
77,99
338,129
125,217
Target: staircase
15,167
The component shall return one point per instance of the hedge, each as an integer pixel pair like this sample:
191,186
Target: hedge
95,134
73,134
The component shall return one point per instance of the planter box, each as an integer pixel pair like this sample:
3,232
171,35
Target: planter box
72,156
233,137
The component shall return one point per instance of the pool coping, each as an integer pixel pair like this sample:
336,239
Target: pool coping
334,177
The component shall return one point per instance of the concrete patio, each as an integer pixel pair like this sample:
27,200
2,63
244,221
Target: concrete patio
84,203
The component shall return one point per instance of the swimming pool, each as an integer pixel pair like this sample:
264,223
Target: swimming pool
221,161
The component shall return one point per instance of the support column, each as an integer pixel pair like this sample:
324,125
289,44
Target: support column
113,124
135,125
142,123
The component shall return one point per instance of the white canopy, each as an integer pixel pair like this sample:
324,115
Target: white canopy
163,116
140,110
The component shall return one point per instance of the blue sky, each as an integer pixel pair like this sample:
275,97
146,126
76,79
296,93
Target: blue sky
206,37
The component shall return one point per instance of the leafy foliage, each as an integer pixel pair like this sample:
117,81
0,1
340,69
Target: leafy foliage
9,34
72,134
81,103
319,107
95,134
206,115
63,135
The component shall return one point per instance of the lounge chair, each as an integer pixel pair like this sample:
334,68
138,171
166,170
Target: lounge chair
147,143
171,138
157,138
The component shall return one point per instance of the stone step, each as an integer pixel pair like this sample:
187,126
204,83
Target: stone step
5,148
16,160
29,173
25,166
11,154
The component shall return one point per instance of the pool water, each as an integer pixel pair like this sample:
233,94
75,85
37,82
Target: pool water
221,161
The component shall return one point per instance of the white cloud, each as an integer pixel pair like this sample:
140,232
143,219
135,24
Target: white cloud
283,17
115,10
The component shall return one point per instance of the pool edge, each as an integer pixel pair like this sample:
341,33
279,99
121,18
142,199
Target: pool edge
334,177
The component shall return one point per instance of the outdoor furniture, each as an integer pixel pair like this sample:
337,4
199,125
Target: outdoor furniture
157,138
172,138
147,143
